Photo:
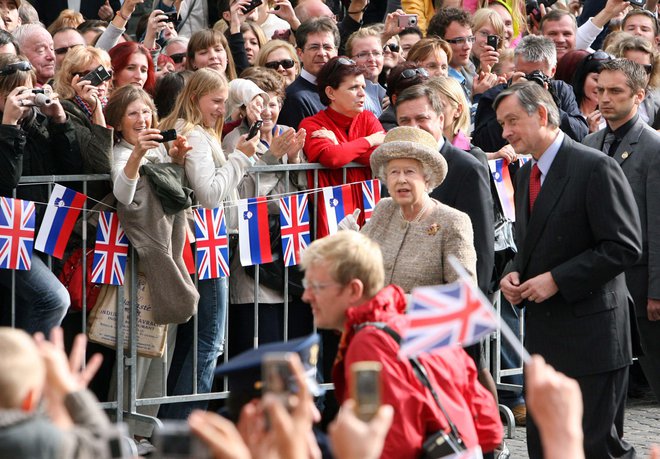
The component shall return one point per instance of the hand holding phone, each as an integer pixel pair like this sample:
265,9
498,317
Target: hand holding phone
254,130
168,136
494,41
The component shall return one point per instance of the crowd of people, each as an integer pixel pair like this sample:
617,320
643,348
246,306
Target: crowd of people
429,97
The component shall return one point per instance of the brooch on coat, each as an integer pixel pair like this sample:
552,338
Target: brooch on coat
433,229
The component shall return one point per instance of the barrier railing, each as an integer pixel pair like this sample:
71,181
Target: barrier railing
126,401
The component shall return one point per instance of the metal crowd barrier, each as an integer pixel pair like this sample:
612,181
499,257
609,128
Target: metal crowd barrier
120,411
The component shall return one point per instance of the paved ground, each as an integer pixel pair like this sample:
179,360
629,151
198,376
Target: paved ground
642,428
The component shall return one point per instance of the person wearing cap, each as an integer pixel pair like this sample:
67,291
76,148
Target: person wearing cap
345,276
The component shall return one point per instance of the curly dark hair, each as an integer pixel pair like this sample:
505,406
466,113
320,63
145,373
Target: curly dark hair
444,17
333,74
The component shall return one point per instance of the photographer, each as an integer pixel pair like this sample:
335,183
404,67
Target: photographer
488,133
36,138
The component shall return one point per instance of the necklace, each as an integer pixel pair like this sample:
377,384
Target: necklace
419,215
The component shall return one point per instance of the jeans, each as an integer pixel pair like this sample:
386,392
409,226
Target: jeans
211,318
41,300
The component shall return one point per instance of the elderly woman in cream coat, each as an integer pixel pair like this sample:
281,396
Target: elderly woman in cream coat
416,233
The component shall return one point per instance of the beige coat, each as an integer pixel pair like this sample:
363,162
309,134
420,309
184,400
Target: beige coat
416,254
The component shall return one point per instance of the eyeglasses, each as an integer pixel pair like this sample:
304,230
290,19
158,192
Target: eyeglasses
600,56
412,73
23,66
460,40
316,287
392,47
65,49
285,63
178,57
366,54
315,48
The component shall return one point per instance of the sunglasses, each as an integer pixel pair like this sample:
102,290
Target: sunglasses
392,47
178,57
285,63
23,66
600,56
64,49
412,73
345,61
648,68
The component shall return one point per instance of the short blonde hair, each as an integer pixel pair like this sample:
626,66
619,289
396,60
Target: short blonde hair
78,59
485,16
21,367
364,32
349,255
449,89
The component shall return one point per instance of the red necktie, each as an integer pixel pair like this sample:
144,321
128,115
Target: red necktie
534,185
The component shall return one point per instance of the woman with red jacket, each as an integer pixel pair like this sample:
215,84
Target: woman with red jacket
342,133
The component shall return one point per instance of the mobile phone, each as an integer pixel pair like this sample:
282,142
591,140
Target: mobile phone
168,136
97,76
365,389
175,441
173,17
254,130
408,20
277,377
252,5
494,41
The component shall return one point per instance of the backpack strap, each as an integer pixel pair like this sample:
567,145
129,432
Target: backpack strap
418,369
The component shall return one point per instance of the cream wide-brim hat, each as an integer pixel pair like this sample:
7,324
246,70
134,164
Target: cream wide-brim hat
414,143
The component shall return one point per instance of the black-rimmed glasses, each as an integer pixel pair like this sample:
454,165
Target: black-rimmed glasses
23,66
461,40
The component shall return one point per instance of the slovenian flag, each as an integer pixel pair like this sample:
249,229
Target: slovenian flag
338,202
61,214
499,168
253,231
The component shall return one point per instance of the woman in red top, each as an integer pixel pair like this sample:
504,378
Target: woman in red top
342,133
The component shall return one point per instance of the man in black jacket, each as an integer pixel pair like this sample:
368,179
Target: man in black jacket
533,54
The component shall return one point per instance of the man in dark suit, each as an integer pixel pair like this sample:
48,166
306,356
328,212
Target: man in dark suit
577,230
636,147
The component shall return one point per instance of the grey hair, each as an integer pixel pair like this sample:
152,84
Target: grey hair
531,96
417,92
181,40
534,48
25,31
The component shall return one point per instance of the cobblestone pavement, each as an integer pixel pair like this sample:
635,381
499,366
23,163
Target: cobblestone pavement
641,428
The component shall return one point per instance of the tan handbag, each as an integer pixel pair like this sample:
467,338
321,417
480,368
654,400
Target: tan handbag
102,325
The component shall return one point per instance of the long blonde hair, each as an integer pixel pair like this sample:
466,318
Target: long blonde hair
186,109
78,59
451,92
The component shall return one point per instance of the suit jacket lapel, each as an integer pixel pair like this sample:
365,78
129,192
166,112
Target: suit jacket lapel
551,191
627,146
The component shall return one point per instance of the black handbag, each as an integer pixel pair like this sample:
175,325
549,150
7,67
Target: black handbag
440,444
272,274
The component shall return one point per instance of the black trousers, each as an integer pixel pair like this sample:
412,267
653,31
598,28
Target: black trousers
604,399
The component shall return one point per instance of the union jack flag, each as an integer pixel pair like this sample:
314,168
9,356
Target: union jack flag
212,243
16,233
110,251
294,220
370,197
444,315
